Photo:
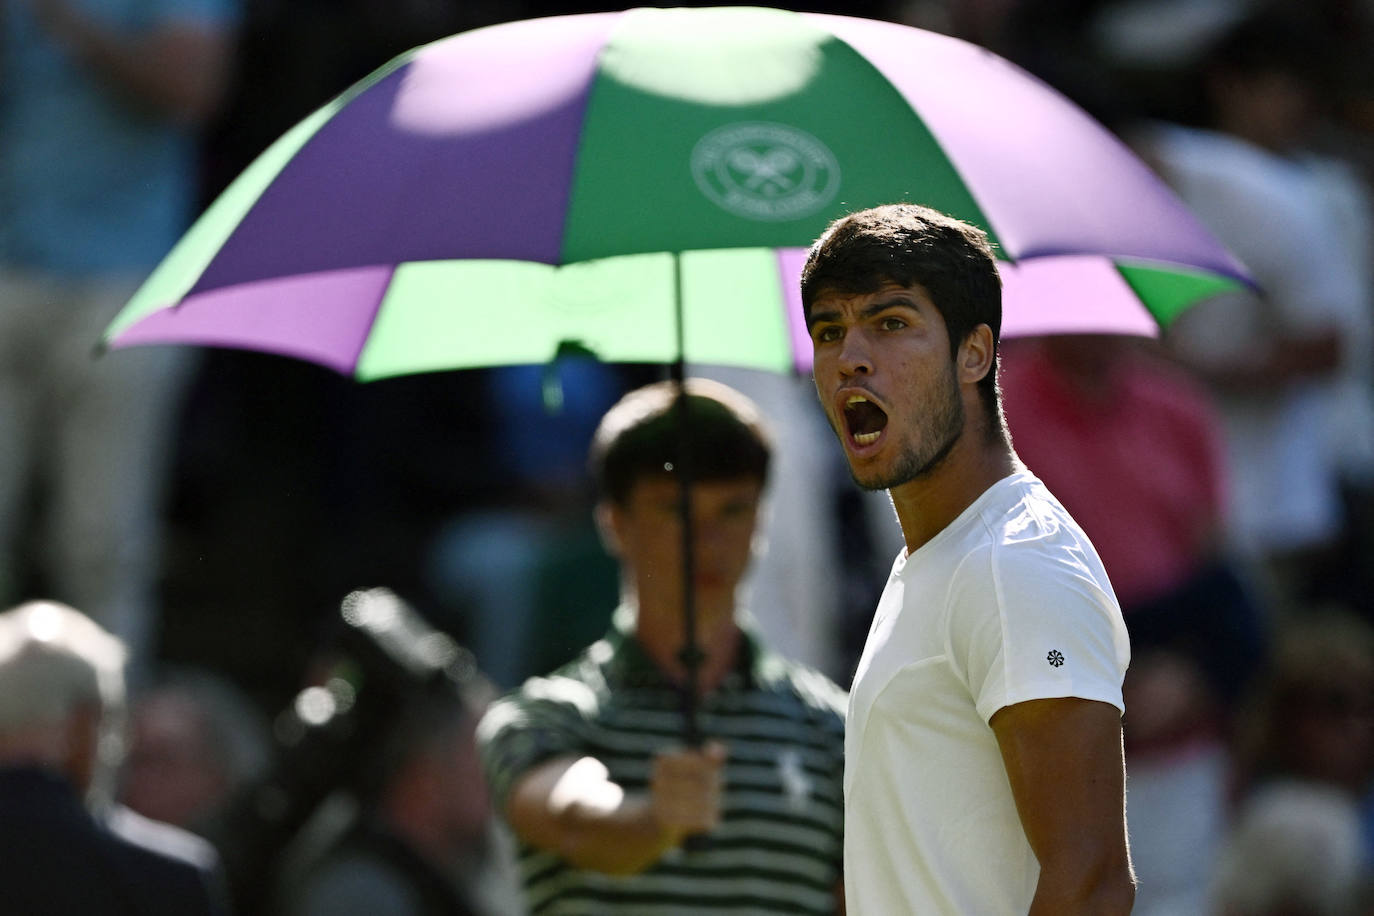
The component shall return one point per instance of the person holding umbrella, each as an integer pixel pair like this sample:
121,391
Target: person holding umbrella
983,748
613,811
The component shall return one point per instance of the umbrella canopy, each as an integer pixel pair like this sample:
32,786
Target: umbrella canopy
594,180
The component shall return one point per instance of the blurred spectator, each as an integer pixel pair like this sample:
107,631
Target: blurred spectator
588,764
1309,728
420,841
1291,367
1312,715
61,691
195,743
1131,447
98,107
1294,851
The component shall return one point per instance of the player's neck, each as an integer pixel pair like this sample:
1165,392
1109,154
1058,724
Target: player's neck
926,505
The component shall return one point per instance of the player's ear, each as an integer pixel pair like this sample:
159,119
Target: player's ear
975,355
608,524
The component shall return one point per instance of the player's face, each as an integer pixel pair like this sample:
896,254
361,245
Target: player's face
887,381
647,532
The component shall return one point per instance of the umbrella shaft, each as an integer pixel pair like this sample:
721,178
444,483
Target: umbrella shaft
690,655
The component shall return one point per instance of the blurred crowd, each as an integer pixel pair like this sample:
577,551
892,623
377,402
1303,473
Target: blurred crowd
208,510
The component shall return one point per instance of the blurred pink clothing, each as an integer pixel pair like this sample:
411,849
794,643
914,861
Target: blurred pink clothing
1130,446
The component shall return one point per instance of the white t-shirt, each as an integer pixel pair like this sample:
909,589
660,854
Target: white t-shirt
1008,603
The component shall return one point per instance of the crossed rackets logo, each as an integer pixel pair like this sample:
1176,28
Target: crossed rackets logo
765,171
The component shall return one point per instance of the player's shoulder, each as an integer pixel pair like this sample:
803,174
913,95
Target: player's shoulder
1017,518
1026,538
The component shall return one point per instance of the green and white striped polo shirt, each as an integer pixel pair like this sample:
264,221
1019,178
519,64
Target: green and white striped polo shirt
779,846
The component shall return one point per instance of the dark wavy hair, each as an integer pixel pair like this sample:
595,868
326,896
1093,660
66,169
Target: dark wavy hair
640,437
912,245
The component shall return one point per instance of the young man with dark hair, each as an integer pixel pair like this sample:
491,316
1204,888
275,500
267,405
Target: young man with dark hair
587,765
983,749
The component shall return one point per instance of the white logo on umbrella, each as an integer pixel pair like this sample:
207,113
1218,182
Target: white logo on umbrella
765,171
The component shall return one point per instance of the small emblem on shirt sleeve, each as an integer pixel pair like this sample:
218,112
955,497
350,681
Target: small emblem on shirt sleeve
1055,658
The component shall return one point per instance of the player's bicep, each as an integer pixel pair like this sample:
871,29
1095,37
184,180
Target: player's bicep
1064,761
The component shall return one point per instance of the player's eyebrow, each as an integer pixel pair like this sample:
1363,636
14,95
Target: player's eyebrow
897,298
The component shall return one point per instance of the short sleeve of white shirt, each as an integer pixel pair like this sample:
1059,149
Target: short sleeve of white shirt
1032,617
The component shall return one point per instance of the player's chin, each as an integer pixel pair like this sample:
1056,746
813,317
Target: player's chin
869,475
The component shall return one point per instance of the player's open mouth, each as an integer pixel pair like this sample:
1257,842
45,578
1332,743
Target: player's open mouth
863,419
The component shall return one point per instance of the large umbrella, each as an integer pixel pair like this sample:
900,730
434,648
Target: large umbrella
643,185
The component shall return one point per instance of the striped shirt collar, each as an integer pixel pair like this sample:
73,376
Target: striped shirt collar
628,664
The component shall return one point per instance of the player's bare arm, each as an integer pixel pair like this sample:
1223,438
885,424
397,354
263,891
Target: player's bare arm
1067,773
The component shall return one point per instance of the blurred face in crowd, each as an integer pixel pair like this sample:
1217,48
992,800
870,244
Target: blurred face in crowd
645,532
171,773
1329,729
1273,109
